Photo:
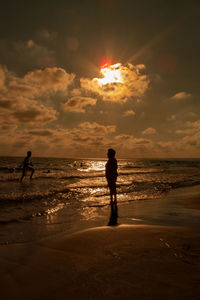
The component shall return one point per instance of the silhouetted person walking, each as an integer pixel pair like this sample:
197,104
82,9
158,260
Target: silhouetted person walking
27,166
111,174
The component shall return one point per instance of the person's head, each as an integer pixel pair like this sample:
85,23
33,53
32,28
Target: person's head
29,153
111,153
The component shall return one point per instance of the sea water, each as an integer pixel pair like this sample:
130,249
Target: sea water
70,194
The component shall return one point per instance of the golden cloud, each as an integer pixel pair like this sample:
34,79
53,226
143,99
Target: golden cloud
128,113
35,83
3,70
181,95
49,80
132,83
96,128
92,138
19,95
149,131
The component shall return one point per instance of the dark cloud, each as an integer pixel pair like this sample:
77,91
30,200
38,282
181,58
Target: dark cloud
5,104
26,55
41,132
35,115
78,103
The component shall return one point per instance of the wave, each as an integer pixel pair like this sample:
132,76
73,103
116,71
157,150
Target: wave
45,175
29,197
84,188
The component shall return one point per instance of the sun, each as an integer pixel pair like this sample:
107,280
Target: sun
111,74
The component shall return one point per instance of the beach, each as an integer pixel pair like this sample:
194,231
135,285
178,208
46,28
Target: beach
107,262
60,239
124,262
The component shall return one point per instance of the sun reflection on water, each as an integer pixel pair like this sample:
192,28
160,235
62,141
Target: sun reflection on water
95,166
55,209
89,213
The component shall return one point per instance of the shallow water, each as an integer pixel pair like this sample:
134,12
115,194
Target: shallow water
67,195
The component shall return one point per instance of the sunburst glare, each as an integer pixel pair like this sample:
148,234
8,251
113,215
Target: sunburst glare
111,74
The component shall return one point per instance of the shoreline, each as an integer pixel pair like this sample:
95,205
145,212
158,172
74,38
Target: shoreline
120,262
180,207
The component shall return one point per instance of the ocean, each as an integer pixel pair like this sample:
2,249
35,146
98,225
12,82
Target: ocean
72,194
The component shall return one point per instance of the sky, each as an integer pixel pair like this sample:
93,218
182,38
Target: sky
79,77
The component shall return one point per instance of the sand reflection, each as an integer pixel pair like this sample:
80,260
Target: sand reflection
113,214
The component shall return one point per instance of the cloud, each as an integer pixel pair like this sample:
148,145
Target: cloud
91,140
87,139
191,142
195,124
181,95
129,141
35,114
41,132
149,131
35,83
75,92
129,82
2,77
49,80
191,128
130,146
25,111
128,113
6,104
77,104
21,97
96,128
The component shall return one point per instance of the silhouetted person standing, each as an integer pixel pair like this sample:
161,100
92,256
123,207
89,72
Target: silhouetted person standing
111,174
27,166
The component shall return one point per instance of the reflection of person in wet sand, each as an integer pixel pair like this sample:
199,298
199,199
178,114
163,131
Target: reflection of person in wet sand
27,166
113,214
111,174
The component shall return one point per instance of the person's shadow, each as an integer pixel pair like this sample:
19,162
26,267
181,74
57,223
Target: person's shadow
113,214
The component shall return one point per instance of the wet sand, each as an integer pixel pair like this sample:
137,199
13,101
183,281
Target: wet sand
119,262
187,196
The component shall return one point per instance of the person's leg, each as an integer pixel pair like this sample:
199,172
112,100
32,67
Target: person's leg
23,174
115,197
115,192
32,171
111,196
